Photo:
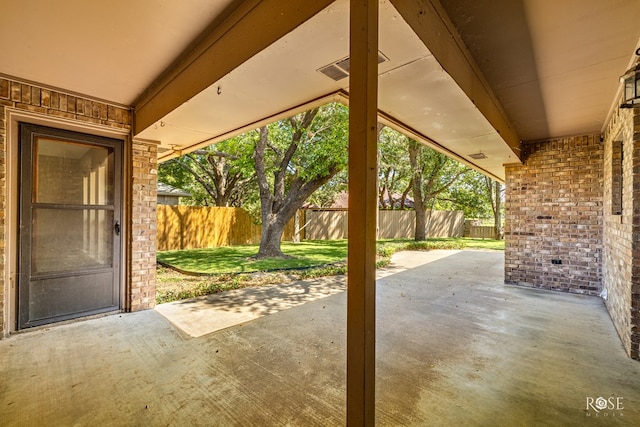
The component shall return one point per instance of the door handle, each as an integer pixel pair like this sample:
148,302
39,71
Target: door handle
117,228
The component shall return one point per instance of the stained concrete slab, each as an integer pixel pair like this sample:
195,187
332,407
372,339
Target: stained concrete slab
454,347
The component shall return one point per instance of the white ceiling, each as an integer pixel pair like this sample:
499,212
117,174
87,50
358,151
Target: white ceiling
553,65
111,50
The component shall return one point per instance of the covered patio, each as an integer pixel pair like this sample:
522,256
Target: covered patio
527,92
455,347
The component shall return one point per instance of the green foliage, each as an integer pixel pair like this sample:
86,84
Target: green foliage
171,173
437,173
228,167
446,183
488,244
323,144
383,262
469,194
219,175
385,250
208,287
212,285
387,247
325,196
394,169
330,270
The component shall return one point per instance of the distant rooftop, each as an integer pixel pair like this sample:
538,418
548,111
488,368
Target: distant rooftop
168,190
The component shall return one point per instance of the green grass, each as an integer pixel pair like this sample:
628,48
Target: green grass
205,287
386,247
494,245
232,268
237,259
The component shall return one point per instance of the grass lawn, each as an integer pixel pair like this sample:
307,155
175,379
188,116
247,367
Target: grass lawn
232,267
237,259
464,242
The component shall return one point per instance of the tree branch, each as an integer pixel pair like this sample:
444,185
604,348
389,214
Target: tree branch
210,190
263,184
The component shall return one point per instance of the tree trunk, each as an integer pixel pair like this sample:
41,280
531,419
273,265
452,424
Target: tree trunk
270,239
421,213
497,215
421,224
280,203
418,200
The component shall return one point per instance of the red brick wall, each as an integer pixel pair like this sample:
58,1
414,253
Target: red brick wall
553,217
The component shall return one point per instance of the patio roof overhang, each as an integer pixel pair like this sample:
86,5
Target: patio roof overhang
463,76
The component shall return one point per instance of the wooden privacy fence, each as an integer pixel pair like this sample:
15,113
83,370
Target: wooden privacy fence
329,224
189,227
481,231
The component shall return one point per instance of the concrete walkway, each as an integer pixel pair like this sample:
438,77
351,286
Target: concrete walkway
455,347
200,316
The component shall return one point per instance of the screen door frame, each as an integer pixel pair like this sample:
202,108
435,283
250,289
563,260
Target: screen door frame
112,299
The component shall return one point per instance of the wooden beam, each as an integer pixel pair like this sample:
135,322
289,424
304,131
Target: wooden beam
245,31
363,206
430,22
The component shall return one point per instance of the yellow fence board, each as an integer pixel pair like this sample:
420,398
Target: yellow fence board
190,227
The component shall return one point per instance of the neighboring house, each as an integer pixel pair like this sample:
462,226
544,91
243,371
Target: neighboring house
168,195
341,201
396,200
528,93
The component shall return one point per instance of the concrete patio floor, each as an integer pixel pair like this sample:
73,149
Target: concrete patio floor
455,346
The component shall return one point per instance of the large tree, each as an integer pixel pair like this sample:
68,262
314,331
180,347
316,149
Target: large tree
478,196
293,158
433,173
394,171
468,194
223,170
495,193
325,196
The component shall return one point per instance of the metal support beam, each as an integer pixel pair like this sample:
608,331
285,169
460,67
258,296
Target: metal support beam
363,206
248,29
430,22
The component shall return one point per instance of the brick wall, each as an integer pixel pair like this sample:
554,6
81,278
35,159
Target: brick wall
143,230
142,176
621,252
553,216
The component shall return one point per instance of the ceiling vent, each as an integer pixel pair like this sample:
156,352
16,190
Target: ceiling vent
338,70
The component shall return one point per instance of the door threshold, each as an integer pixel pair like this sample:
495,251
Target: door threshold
65,322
